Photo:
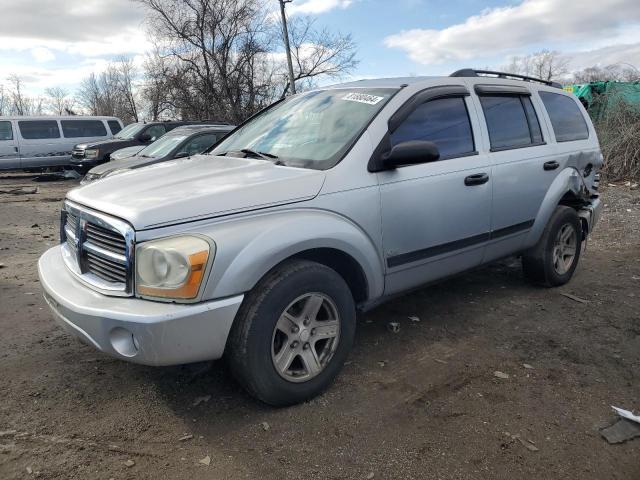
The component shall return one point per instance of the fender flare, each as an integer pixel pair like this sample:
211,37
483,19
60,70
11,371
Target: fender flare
568,180
248,248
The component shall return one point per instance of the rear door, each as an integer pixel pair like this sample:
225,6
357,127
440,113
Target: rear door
523,167
41,144
9,148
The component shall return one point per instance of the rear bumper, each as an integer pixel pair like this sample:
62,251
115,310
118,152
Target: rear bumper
139,331
591,214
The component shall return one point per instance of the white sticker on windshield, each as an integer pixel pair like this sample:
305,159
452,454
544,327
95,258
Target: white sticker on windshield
362,98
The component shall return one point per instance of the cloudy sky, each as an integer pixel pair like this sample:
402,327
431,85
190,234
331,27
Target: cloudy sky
58,42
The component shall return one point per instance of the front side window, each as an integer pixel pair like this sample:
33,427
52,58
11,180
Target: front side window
83,128
199,144
39,129
6,132
310,130
114,126
156,132
443,121
511,121
566,118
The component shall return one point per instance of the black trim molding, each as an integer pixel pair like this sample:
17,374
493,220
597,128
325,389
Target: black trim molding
436,250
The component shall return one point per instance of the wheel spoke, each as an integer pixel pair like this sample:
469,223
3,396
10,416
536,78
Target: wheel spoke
326,329
284,358
312,307
286,323
569,251
566,233
310,361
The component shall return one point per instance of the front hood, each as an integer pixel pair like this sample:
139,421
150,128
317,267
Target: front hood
128,162
198,187
126,152
110,144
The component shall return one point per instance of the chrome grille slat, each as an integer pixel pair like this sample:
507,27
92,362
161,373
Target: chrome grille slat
114,267
99,249
104,273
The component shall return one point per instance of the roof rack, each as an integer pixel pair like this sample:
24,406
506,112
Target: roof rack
470,72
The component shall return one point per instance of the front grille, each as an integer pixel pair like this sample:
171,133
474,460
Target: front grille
77,153
99,249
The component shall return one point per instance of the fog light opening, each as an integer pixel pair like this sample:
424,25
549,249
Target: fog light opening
124,342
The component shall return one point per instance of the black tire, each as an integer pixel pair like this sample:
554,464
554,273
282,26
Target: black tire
538,262
249,348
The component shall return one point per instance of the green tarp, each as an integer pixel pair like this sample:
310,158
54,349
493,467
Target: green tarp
598,97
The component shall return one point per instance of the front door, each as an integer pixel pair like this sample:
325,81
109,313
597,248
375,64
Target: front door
9,149
436,216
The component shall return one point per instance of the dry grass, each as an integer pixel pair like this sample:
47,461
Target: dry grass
619,134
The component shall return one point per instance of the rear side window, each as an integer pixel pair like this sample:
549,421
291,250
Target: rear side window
83,128
566,118
39,129
511,121
6,132
443,121
114,126
199,144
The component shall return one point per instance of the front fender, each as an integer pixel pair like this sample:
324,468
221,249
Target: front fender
568,180
247,248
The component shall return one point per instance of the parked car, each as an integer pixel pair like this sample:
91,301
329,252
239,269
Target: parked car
87,155
47,141
179,143
328,201
125,152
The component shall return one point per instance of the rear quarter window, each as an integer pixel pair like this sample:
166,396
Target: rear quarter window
39,129
83,128
566,118
114,126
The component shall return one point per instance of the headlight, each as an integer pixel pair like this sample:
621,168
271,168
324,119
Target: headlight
173,267
88,178
115,172
91,153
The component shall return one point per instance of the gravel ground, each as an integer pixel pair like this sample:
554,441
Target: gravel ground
423,403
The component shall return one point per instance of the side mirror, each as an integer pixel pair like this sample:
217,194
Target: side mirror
181,155
411,153
145,137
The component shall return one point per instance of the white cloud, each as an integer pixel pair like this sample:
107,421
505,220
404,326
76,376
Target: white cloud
504,30
42,54
314,7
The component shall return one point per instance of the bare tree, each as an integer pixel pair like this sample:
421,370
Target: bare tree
111,92
20,104
319,52
615,72
545,64
4,101
221,58
58,101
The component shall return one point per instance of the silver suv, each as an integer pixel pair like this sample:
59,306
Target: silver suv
325,203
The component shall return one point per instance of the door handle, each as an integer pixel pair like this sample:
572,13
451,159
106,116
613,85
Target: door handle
551,165
16,149
476,179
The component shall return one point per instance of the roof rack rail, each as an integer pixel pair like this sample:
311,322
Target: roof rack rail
470,72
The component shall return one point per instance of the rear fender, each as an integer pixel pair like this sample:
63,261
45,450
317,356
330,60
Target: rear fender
569,180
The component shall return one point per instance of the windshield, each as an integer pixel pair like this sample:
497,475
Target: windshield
310,130
161,147
130,131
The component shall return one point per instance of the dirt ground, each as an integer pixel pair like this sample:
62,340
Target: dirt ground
422,403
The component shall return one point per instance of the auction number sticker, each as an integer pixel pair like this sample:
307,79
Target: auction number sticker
362,98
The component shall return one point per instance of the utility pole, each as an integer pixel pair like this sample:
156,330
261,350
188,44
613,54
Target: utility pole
285,34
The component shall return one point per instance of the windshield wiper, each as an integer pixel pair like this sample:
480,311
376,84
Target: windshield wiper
266,155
